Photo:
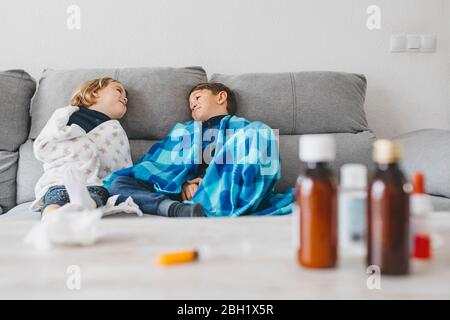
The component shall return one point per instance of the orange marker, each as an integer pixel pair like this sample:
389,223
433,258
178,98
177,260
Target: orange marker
170,258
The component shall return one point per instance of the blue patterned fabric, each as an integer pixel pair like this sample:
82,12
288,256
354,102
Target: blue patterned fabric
240,179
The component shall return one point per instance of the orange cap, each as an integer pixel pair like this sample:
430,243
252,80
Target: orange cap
418,183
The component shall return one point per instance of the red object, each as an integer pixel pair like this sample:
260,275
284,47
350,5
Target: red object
418,183
422,246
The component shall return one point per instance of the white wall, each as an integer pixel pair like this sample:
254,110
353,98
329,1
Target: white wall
405,91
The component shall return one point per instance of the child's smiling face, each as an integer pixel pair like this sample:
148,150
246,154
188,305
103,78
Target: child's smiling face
204,104
113,100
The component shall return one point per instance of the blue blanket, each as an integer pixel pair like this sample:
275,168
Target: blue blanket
239,180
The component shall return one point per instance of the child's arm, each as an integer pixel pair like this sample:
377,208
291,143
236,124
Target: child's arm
54,133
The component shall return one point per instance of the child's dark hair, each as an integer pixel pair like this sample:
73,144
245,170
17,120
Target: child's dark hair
216,88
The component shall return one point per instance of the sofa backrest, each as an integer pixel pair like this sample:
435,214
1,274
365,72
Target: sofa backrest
301,102
157,97
293,103
311,102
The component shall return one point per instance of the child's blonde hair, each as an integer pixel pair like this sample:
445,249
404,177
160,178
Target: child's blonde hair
84,94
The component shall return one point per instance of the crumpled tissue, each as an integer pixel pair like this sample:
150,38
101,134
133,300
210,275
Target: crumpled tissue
74,225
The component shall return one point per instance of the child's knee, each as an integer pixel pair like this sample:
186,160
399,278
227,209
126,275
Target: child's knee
98,201
50,208
56,195
119,185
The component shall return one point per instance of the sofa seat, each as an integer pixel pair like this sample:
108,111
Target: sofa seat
22,211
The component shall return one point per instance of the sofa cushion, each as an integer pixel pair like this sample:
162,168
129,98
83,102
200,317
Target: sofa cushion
428,151
440,203
157,96
22,212
301,102
16,90
8,169
350,148
28,173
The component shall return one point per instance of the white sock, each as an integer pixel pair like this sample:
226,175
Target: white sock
76,188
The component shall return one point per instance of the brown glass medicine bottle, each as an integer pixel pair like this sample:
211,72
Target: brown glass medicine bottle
388,212
316,198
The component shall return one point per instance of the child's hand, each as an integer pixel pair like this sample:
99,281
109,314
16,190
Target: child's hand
190,188
197,181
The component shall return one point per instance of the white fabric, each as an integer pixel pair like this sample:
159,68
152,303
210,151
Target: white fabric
96,154
71,225
74,225
128,206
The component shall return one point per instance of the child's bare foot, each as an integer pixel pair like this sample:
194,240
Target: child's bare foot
49,209
76,188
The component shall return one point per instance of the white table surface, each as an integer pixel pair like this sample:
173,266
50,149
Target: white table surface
240,258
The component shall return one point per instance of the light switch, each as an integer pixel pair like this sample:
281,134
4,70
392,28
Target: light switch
413,42
428,43
398,43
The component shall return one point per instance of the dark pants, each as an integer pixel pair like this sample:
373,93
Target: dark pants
58,195
142,193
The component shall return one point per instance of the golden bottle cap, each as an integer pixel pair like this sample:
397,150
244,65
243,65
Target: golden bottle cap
386,151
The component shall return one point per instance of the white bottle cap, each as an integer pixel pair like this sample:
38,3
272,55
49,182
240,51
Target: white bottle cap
354,176
317,148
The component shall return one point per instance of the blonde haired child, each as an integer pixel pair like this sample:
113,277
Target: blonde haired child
80,145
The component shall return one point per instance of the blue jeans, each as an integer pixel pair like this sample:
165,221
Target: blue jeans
58,195
142,193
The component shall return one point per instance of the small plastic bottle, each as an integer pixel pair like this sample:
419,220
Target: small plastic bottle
420,208
352,204
316,198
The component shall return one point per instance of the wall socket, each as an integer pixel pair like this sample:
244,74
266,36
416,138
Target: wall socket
413,43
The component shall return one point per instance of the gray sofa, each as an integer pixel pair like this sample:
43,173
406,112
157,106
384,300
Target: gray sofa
294,103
